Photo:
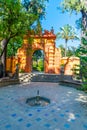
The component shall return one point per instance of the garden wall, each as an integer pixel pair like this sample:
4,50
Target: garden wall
69,64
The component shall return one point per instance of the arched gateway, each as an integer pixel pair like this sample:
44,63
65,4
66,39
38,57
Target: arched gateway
45,42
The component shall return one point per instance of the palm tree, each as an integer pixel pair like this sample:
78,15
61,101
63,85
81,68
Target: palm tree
67,33
61,46
70,52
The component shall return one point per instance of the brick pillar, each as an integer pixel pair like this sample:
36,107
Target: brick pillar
57,60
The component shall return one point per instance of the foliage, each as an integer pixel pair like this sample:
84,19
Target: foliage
12,18
38,60
77,6
84,85
39,66
70,52
74,5
76,71
16,19
62,50
36,7
13,46
37,54
80,6
67,33
78,23
82,53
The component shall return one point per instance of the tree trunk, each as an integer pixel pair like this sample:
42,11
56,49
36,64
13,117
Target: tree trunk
65,48
3,55
84,23
83,35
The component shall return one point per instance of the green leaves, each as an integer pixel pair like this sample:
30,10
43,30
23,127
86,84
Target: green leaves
12,10
13,46
16,19
74,5
67,33
82,53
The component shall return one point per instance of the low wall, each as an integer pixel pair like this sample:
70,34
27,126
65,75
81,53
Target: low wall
7,81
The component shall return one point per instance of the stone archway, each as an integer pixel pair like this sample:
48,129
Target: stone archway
45,42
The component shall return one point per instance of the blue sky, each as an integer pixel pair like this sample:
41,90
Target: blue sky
57,19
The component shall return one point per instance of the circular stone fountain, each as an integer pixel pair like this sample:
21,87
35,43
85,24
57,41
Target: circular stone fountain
38,100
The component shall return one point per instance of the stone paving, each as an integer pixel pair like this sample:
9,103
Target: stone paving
67,110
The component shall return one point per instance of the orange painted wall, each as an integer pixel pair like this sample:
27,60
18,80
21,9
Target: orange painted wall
70,64
11,64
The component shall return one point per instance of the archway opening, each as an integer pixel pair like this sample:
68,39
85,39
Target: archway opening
38,61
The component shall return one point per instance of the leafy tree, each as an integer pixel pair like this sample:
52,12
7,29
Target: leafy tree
16,18
13,46
67,33
70,52
82,53
78,6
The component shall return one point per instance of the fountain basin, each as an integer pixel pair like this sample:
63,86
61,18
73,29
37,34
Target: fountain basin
38,101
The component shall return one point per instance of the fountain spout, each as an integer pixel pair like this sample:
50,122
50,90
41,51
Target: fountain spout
38,98
38,92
